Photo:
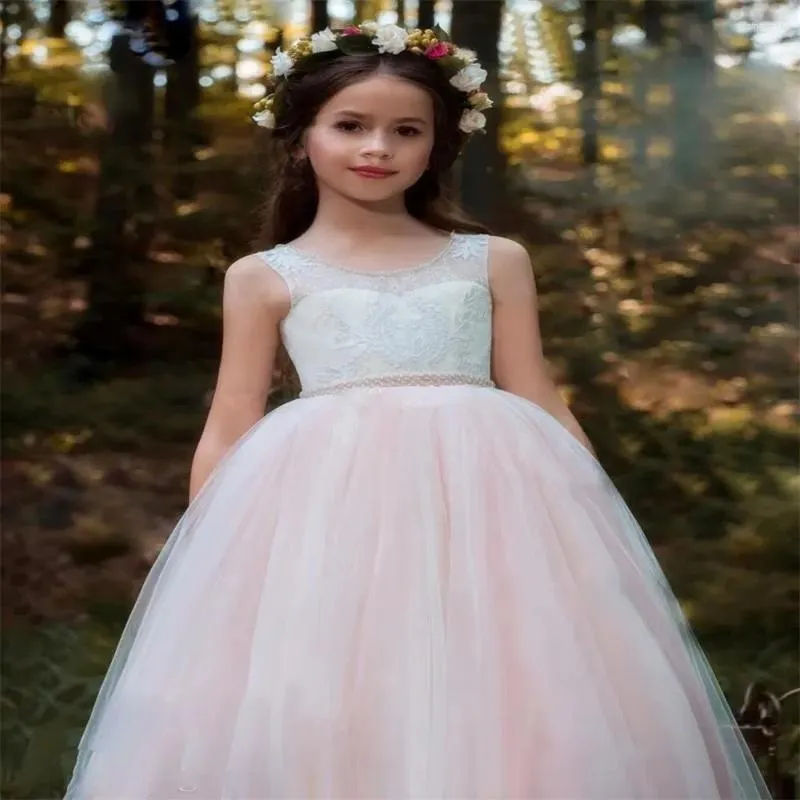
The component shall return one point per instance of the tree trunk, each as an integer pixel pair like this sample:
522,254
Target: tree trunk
124,215
181,100
589,78
426,16
694,83
707,10
476,26
401,13
59,17
653,21
4,21
591,21
320,19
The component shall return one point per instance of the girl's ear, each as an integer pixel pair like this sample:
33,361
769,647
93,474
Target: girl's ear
301,145
299,153
299,165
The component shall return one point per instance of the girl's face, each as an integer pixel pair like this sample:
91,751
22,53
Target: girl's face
372,140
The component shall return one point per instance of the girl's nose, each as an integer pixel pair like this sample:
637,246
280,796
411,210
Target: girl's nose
377,147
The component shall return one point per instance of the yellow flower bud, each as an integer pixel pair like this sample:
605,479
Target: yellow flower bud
265,103
300,49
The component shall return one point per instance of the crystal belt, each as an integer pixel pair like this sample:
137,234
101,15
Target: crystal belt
387,381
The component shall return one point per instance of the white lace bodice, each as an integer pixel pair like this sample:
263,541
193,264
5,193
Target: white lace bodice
350,328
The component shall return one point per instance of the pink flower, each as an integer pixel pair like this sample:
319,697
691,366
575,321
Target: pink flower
351,30
439,50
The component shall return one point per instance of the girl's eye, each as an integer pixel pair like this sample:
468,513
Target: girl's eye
348,126
408,130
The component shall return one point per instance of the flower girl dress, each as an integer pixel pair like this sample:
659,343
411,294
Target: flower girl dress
407,584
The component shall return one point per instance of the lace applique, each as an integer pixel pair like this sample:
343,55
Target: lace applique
352,327
464,258
473,249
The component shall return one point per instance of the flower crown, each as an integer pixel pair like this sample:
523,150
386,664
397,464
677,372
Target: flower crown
461,66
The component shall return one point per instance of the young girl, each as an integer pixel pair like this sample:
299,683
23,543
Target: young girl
415,581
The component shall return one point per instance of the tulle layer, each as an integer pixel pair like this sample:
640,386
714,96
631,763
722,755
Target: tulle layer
410,593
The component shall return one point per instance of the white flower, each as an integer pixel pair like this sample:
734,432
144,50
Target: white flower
467,56
469,78
264,119
480,101
369,27
471,121
324,41
282,64
390,39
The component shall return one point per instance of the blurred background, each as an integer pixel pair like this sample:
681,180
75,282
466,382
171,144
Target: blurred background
645,151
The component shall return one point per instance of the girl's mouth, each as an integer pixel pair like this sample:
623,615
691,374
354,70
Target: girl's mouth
373,172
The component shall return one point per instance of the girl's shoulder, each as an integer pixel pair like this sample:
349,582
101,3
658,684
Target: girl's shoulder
502,249
247,277
510,269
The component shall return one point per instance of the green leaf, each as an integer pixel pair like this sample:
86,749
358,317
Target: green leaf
441,34
450,64
355,44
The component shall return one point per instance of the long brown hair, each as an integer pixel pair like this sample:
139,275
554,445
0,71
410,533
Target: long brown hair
292,198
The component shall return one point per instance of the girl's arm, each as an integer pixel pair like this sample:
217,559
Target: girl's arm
518,363
254,301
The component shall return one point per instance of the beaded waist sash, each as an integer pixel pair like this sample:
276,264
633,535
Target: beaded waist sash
388,381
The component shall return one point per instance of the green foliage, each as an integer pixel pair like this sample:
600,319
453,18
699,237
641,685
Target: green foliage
51,674
124,414
356,44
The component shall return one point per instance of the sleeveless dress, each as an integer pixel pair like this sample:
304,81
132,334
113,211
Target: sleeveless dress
407,583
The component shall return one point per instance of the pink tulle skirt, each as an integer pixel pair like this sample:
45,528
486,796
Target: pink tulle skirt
410,593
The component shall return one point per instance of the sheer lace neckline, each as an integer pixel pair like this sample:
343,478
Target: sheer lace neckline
310,258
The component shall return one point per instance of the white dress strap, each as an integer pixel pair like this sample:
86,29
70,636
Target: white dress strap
470,251
285,263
